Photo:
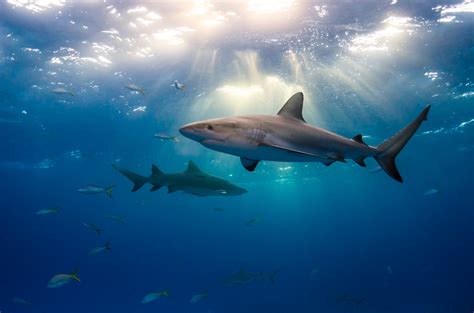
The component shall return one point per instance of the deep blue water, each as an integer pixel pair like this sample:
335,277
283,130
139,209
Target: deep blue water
336,232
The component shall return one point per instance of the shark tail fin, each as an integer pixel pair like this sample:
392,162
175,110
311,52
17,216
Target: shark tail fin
390,148
137,180
109,191
107,245
74,274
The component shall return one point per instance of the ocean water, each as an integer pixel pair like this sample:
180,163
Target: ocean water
334,239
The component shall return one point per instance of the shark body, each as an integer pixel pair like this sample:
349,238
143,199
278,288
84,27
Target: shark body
242,277
192,181
287,137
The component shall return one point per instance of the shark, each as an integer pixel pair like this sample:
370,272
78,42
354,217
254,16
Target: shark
286,137
192,181
242,277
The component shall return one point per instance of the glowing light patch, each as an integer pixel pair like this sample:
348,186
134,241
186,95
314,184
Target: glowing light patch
137,10
36,6
447,19
140,109
104,59
321,10
269,6
465,95
381,40
448,13
144,21
153,16
31,50
466,6
240,91
432,75
172,36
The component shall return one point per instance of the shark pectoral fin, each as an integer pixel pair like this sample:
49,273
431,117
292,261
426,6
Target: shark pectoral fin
325,159
249,164
360,161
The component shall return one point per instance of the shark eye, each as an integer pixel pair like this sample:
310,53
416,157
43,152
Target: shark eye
210,127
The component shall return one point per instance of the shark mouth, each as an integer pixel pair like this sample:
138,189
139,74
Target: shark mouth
210,142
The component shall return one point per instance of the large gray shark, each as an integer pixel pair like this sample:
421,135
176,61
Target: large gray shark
192,181
287,138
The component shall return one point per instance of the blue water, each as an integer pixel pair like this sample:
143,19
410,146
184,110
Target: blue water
338,235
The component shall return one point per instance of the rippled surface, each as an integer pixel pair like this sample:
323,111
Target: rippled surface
88,84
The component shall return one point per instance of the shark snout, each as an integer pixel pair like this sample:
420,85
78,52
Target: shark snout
190,131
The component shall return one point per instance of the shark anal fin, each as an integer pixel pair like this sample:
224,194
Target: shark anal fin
360,161
337,157
293,107
249,164
155,187
358,138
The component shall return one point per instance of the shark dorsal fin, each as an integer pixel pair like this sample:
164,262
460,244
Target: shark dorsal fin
293,108
358,138
155,171
192,168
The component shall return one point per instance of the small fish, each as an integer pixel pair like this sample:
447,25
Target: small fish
62,91
152,296
375,170
198,297
100,249
219,209
18,300
63,279
178,85
119,219
431,192
47,211
136,88
94,190
165,136
92,227
253,221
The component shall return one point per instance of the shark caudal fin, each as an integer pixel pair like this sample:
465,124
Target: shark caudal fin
390,148
74,274
109,190
137,180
